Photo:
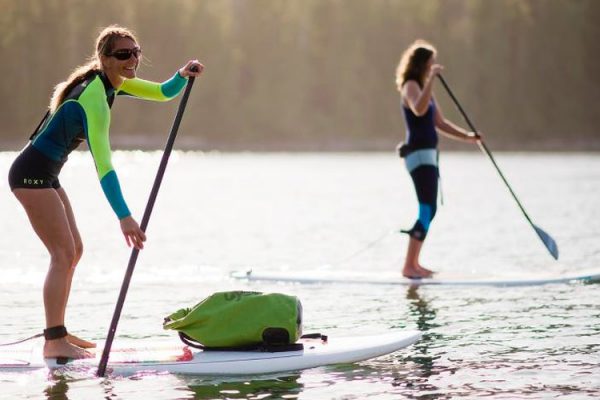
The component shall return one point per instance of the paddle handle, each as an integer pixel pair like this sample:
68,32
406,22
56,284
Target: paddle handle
145,219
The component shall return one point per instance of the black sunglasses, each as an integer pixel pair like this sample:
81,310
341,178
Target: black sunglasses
125,54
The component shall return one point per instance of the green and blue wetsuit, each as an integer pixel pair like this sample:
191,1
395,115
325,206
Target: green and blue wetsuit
84,115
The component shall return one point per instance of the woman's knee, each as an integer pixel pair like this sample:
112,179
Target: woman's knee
78,252
63,257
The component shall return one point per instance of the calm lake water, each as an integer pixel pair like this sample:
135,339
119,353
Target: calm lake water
222,212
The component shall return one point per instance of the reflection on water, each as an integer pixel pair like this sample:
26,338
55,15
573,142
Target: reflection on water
417,381
286,387
424,316
57,389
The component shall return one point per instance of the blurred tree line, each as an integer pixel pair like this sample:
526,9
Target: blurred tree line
318,74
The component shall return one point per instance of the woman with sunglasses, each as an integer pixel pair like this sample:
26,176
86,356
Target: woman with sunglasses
80,110
423,118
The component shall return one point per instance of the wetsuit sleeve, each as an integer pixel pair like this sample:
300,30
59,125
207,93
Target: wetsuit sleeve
97,124
153,91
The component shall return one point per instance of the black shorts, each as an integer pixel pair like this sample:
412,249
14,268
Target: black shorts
33,170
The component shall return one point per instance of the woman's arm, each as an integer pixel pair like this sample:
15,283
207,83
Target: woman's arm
418,99
149,90
451,130
96,129
164,91
95,113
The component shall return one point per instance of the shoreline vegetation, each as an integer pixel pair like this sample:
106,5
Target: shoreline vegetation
315,75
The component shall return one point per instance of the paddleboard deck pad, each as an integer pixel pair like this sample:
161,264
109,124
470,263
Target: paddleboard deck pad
382,279
180,359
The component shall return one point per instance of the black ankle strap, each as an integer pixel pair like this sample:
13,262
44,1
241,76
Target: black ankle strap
56,332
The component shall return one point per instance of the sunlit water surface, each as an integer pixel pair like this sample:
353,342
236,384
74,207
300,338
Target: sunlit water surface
221,212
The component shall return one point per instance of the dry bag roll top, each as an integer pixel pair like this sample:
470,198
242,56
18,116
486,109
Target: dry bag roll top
240,320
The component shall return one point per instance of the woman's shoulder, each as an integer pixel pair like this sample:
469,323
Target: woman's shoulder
411,83
93,97
410,89
96,86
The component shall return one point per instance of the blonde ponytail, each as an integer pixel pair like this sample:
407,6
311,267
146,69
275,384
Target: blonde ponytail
79,75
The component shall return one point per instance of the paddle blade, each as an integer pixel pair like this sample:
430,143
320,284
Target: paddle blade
548,241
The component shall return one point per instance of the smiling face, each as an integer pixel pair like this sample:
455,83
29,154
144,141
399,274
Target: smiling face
118,70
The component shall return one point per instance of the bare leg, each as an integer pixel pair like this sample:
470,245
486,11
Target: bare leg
48,218
412,268
78,252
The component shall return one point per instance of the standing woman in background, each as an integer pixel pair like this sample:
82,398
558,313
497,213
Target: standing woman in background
415,77
80,110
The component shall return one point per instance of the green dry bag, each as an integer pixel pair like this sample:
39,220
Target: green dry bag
239,320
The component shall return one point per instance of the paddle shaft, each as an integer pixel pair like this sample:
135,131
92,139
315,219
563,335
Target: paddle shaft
546,239
145,219
483,147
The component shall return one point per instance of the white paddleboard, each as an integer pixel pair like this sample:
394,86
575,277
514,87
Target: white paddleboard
380,279
181,359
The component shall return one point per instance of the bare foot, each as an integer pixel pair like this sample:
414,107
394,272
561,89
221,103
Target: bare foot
425,271
84,344
62,348
414,273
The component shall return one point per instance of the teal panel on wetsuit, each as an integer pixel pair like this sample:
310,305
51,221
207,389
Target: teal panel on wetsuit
63,127
112,190
425,215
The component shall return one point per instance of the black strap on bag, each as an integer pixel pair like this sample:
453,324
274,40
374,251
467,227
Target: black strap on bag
262,347
314,336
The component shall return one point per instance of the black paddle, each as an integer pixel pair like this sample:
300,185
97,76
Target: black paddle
149,206
546,239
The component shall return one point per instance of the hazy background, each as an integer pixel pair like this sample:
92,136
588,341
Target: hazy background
318,74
